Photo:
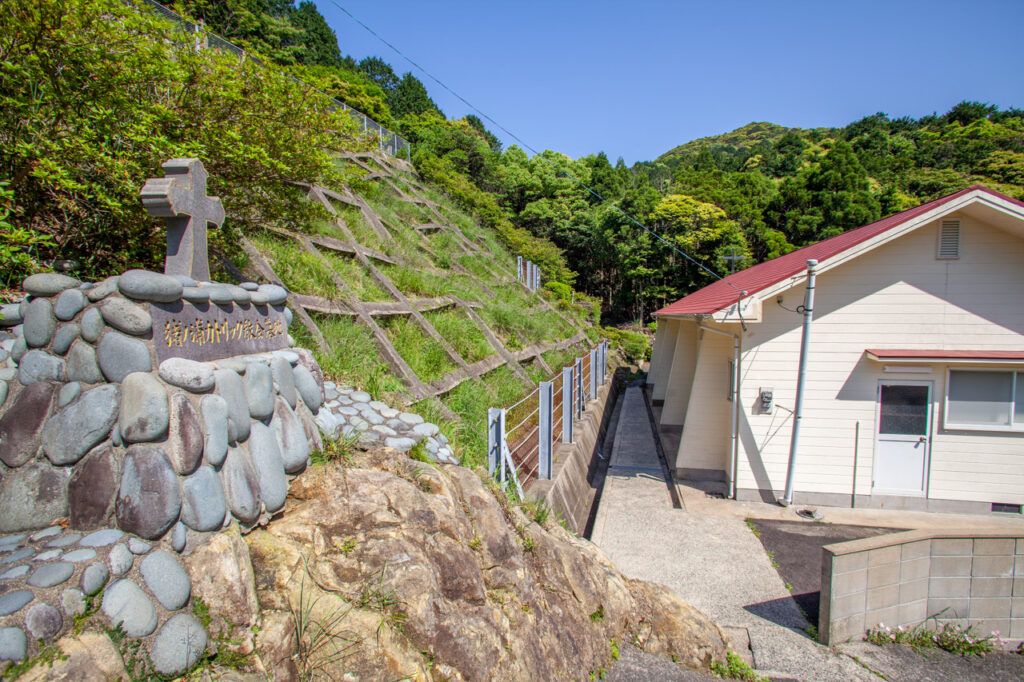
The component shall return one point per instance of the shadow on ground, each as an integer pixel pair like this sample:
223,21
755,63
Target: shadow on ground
795,547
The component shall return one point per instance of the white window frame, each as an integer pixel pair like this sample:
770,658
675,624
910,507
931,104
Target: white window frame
1012,427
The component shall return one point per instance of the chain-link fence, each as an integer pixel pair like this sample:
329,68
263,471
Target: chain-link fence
387,141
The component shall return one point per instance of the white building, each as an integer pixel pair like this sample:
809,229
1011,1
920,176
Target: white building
914,395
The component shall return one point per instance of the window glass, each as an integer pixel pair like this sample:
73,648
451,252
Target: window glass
982,398
1018,411
904,410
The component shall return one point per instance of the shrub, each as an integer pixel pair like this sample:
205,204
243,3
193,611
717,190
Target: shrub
635,346
96,94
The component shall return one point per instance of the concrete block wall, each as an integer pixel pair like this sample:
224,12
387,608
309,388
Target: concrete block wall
912,577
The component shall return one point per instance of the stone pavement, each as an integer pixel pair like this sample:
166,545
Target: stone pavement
712,561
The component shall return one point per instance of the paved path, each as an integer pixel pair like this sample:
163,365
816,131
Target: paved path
712,561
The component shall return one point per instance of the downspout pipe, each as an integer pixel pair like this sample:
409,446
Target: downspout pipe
801,381
734,449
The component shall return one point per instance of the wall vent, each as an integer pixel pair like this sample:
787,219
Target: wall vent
949,240
1006,508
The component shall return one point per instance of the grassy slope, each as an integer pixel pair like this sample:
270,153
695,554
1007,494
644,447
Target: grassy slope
431,264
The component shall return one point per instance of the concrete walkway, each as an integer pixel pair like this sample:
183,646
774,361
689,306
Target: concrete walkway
712,561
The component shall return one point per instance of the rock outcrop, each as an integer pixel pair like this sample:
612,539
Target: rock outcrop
393,568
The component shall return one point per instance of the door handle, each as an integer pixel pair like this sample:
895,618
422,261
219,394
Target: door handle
922,439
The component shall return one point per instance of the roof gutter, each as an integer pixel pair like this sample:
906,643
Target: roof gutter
734,450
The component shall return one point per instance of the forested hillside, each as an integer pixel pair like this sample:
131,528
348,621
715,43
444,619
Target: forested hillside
729,201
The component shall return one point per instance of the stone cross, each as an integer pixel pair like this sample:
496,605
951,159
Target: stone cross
181,199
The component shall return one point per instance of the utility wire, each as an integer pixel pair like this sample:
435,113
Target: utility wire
539,155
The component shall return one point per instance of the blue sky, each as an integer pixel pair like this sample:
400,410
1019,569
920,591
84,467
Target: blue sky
636,78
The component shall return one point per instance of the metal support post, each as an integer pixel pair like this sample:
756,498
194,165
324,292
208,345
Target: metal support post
495,437
604,361
567,413
579,388
593,373
546,394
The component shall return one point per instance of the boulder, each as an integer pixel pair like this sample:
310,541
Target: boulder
120,560
125,604
144,411
166,579
144,285
93,489
68,393
308,388
94,577
259,390
91,324
490,594
21,424
203,505
32,496
89,656
102,289
125,316
69,303
291,438
190,375
43,622
40,323
284,379
77,428
222,577
266,462
38,365
214,410
241,487
65,336
184,444
121,355
178,645
149,498
83,365
48,284
229,386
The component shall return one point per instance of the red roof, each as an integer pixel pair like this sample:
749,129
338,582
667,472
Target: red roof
726,292
916,354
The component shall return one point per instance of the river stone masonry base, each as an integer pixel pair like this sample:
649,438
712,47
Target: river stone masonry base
145,459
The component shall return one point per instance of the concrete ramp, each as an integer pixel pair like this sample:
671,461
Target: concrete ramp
712,561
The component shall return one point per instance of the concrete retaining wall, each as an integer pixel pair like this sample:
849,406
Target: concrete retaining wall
569,492
908,578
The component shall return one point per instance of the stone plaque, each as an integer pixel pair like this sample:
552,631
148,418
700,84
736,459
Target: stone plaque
207,331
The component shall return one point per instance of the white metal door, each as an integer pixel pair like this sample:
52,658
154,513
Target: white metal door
903,429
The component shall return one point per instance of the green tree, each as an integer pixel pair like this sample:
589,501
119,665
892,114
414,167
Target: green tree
380,72
478,125
319,42
410,98
825,199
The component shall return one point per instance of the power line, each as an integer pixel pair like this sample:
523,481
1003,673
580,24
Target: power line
538,154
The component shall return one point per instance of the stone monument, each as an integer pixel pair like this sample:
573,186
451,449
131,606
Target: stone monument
239,321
